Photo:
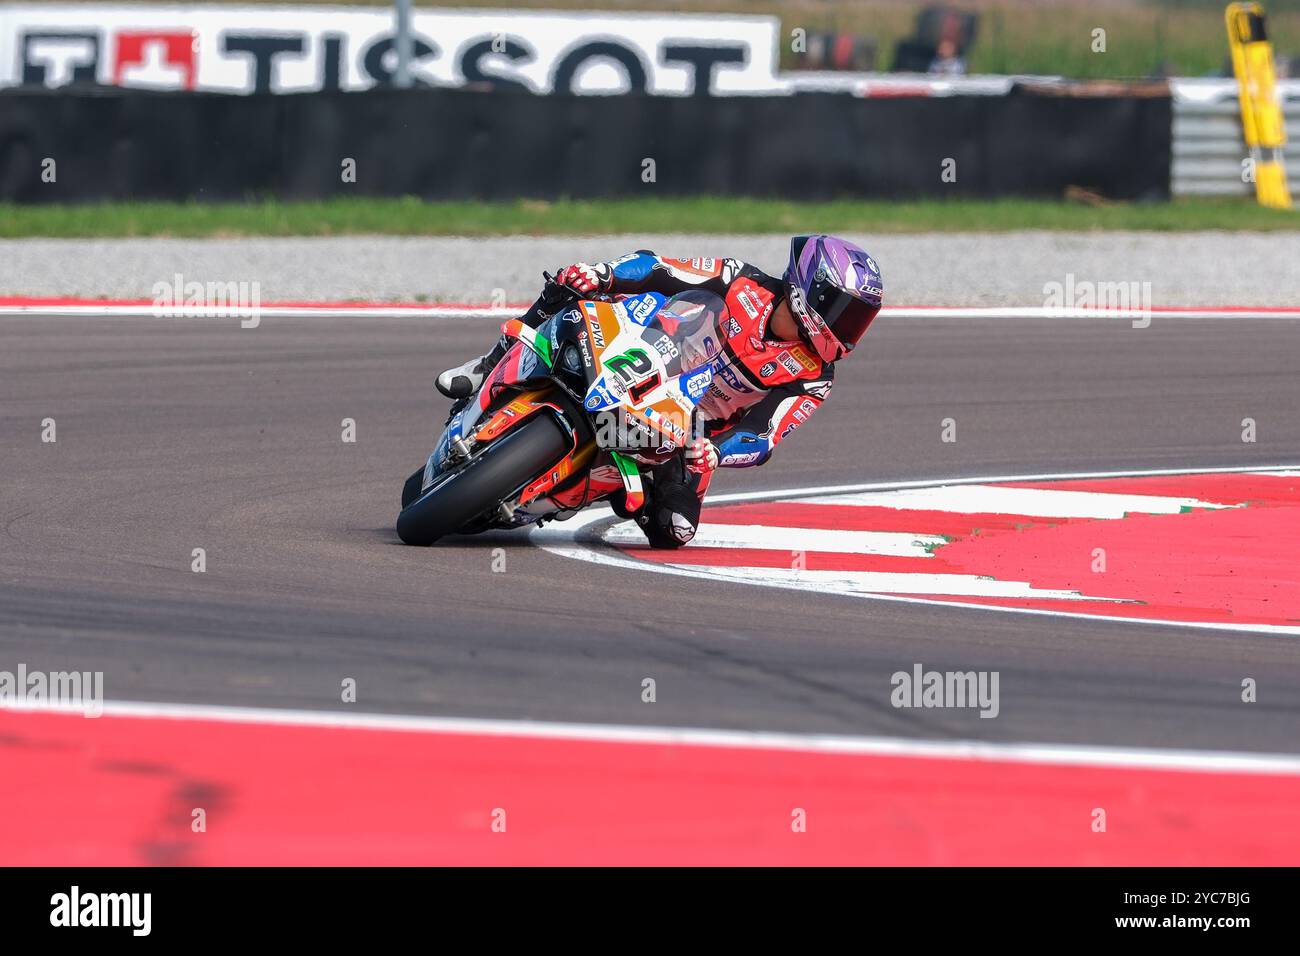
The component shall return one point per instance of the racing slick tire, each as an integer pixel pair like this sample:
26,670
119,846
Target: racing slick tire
491,476
414,485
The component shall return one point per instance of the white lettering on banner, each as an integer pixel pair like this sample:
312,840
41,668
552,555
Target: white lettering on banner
245,49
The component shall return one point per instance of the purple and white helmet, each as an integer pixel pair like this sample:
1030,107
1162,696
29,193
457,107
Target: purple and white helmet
835,290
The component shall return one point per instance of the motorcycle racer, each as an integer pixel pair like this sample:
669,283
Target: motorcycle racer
774,369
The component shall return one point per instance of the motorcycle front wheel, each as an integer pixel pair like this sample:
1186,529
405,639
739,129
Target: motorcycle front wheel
493,474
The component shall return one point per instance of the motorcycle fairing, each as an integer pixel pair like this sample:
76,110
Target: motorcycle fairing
636,357
638,369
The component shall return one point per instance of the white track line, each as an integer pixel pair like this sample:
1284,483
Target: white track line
567,539
1031,753
112,310
895,544
997,479
884,582
1118,315
1031,502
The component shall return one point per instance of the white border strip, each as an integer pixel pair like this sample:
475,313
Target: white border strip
1119,315
147,311
566,541
339,310
1030,753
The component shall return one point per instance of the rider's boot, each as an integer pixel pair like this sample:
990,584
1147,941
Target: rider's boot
674,497
464,380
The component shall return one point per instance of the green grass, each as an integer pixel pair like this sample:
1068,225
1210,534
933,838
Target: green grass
412,217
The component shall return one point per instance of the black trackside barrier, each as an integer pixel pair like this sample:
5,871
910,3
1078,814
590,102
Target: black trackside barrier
114,144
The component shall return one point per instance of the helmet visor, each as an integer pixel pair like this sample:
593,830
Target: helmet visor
845,315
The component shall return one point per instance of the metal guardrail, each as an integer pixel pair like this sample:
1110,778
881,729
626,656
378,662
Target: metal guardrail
1208,149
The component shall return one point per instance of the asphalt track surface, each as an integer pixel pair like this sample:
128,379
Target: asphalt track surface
180,434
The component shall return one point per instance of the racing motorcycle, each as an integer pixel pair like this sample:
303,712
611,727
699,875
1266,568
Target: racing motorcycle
570,415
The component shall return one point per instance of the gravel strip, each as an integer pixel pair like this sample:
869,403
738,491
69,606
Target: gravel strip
1195,268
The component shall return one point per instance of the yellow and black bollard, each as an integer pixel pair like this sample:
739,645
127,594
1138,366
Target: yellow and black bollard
1261,116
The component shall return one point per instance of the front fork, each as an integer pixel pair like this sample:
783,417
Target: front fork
527,404
521,407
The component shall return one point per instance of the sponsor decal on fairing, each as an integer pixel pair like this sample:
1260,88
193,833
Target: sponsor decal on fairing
697,383
640,309
599,396
665,346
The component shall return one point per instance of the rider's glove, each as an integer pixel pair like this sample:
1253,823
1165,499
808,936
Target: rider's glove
701,456
585,279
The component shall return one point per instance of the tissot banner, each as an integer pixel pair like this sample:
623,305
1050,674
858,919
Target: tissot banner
245,49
